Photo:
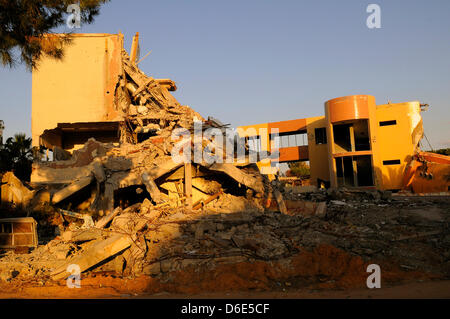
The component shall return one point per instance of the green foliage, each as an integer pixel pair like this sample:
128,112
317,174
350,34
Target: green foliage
443,151
298,169
24,22
16,155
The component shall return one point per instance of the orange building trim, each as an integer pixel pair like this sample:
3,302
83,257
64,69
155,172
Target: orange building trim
352,107
288,126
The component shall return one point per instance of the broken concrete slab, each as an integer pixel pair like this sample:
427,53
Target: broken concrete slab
238,175
321,209
96,253
151,187
280,201
71,189
83,235
13,191
102,223
98,171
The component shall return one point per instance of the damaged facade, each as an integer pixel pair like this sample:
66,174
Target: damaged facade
112,174
350,146
112,145
121,202
358,144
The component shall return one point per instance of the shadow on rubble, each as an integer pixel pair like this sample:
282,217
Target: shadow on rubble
245,248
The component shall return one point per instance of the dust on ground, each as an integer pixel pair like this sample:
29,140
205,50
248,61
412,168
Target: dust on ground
266,254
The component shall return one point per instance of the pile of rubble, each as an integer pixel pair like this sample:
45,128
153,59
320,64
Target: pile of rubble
132,183
144,159
144,239
131,210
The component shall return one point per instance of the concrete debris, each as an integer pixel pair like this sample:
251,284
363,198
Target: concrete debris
280,201
83,235
102,223
96,253
13,191
144,213
162,241
87,220
71,189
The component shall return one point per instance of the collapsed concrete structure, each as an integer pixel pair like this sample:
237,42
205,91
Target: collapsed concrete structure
119,201
351,145
113,160
126,145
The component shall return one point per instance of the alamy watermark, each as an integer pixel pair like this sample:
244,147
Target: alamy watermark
74,280
74,18
214,145
374,280
374,19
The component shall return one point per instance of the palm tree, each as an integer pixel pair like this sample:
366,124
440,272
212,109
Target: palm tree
16,155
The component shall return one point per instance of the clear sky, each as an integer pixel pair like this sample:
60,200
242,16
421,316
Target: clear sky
256,61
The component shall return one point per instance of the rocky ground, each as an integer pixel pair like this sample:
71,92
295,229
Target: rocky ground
257,249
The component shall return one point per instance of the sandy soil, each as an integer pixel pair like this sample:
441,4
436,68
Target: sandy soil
326,272
411,290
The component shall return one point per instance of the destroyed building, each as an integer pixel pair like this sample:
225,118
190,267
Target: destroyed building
117,134
119,201
350,146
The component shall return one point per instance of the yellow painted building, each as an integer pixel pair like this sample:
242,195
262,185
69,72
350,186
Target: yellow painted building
399,132
70,94
356,144
76,98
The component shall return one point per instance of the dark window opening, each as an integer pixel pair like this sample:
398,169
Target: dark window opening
352,137
354,171
344,170
80,200
361,133
127,196
339,171
364,170
6,239
387,123
342,138
6,228
79,137
321,135
145,136
348,171
391,162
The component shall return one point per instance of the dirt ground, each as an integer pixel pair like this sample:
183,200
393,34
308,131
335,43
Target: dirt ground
275,256
123,288
326,272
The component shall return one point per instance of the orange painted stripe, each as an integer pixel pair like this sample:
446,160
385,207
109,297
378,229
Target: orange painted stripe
288,126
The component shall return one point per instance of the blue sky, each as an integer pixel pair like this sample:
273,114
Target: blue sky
255,61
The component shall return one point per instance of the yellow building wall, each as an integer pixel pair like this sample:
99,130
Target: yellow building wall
318,154
387,143
397,142
263,131
78,88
